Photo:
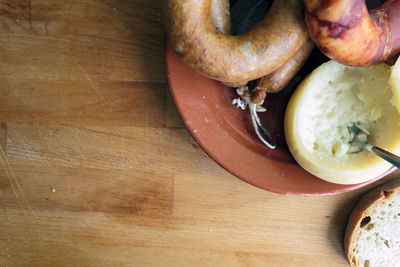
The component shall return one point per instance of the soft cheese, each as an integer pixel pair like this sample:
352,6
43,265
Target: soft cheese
322,107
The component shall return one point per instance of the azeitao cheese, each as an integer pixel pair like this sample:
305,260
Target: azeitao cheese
325,103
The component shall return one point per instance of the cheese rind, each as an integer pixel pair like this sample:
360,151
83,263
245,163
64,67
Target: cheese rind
322,107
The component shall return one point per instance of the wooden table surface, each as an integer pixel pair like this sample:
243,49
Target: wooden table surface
97,169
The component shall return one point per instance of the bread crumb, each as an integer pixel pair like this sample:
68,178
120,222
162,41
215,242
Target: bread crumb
53,190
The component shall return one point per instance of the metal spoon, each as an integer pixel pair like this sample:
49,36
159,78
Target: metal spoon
360,142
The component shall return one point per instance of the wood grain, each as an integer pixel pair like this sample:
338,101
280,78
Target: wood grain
122,148
96,168
3,135
90,58
82,102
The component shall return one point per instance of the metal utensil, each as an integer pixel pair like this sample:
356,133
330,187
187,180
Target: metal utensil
360,142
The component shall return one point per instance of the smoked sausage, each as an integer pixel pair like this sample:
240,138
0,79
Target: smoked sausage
345,31
235,59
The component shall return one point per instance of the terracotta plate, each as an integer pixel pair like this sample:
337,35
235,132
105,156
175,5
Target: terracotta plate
225,133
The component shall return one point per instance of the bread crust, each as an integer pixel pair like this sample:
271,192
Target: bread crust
365,206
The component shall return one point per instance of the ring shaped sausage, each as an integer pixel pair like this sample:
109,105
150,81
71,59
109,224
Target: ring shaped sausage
277,80
221,15
235,59
347,33
273,82
221,19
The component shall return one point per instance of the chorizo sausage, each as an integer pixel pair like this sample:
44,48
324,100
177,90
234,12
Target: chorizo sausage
235,59
345,31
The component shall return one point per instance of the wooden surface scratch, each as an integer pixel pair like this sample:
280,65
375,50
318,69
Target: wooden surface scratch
97,168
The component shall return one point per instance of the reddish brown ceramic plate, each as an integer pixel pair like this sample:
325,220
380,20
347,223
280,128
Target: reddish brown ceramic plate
225,133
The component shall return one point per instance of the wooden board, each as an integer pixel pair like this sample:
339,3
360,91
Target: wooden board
96,168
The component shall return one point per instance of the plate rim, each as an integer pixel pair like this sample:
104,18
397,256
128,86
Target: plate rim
215,157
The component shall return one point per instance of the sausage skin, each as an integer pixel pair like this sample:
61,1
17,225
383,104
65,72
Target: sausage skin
277,80
221,16
221,19
347,33
273,82
235,59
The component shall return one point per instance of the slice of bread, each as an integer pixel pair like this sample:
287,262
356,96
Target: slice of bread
373,231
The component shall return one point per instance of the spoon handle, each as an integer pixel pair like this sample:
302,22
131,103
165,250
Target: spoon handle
392,158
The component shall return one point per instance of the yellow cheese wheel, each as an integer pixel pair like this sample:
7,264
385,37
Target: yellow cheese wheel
331,98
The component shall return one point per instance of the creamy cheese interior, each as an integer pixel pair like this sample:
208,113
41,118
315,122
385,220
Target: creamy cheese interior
339,97
326,103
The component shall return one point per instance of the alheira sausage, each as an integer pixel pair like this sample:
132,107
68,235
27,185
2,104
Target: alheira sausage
235,59
221,19
273,82
221,16
347,33
277,80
